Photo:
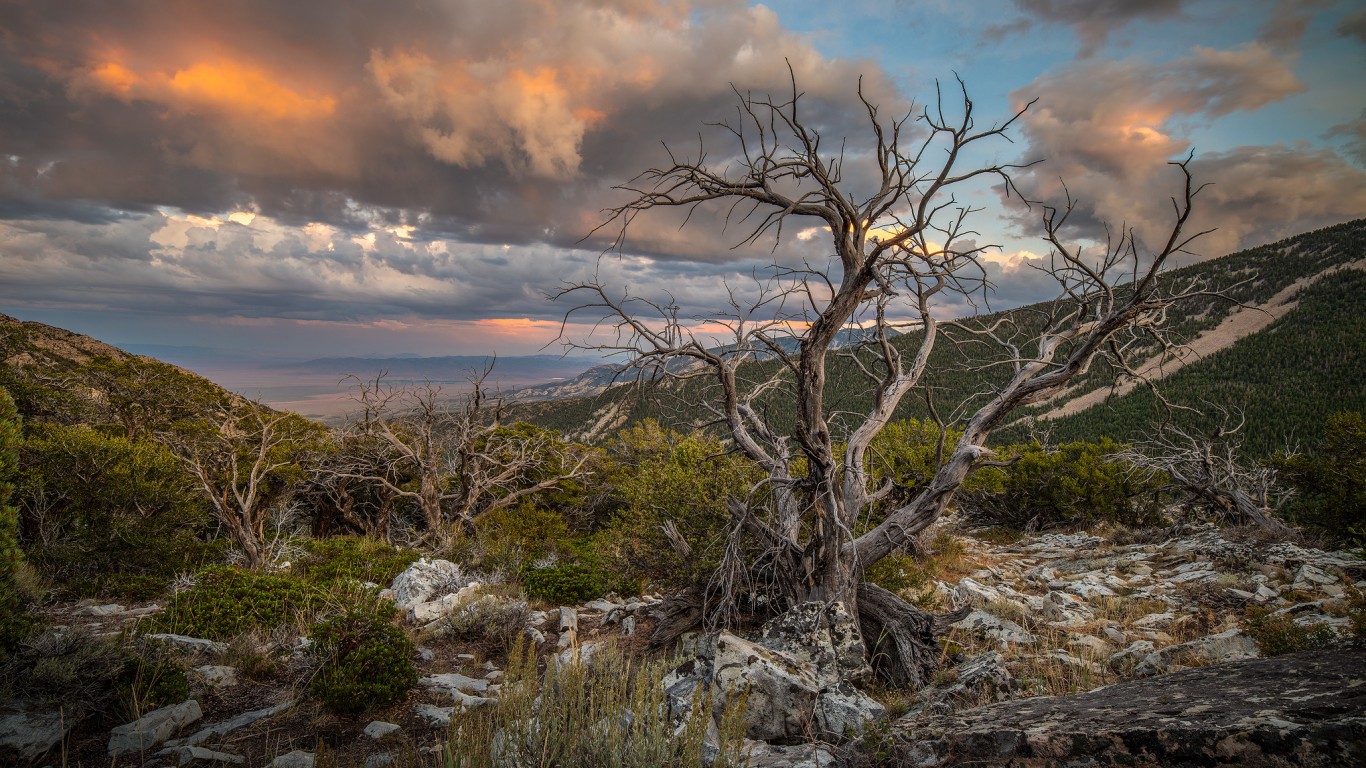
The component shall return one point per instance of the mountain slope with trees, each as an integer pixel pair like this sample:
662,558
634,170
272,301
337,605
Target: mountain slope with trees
1315,351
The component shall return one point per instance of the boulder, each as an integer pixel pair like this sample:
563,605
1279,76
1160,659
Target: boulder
980,676
30,735
436,717
1231,645
424,580
1305,709
797,679
190,643
153,728
822,635
1004,631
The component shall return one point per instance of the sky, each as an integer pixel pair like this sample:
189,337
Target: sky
376,177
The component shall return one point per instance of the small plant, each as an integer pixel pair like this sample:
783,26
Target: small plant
364,660
608,711
494,626
225,602
565,583
353,558
151,678
1279,634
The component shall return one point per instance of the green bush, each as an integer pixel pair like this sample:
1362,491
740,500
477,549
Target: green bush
671,490
1276,635
365,661
13,624
353,558
507,540
565,583
1075,484
225,602
107,514
1330,480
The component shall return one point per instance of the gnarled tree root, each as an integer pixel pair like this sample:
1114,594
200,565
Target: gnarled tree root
900,637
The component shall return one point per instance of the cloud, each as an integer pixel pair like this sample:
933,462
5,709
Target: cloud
1107,130
487,124
1353,26
1355,134
1095,20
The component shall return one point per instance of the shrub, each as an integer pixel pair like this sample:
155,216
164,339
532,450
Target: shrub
81,674
1276,635
671,493
364,660
608,711
493,626
13,624
353,558
107,514
1330,481
507,540
225,602
565,583
1075,484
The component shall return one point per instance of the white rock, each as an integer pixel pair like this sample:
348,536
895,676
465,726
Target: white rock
32,735
153,728
1308,577
844,711
436,717
233,724
425,580
186,755
601,606
191,643
216,676
378,729
569,619
1003,631
100,610
1231,645
453,681
628,626
296,759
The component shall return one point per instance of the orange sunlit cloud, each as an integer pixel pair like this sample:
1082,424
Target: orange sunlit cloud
227,86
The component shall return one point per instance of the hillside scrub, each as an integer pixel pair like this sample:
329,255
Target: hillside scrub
1329,480
12,625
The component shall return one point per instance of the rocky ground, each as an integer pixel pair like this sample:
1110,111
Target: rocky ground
1053,615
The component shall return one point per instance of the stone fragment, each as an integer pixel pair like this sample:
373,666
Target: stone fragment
153,728
436,717
216,676
1003,631
188,755
190,643
233,724
32,734
843,711
453,681
296,759
1309,578
378,729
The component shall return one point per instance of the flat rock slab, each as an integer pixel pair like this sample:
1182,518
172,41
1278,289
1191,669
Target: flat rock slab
1304,709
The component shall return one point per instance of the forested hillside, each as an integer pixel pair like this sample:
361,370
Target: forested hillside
1285,377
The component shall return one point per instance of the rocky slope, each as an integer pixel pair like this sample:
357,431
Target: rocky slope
1054,616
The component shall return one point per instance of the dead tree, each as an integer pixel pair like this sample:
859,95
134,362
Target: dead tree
454,463
244,461
900,248
1206,469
